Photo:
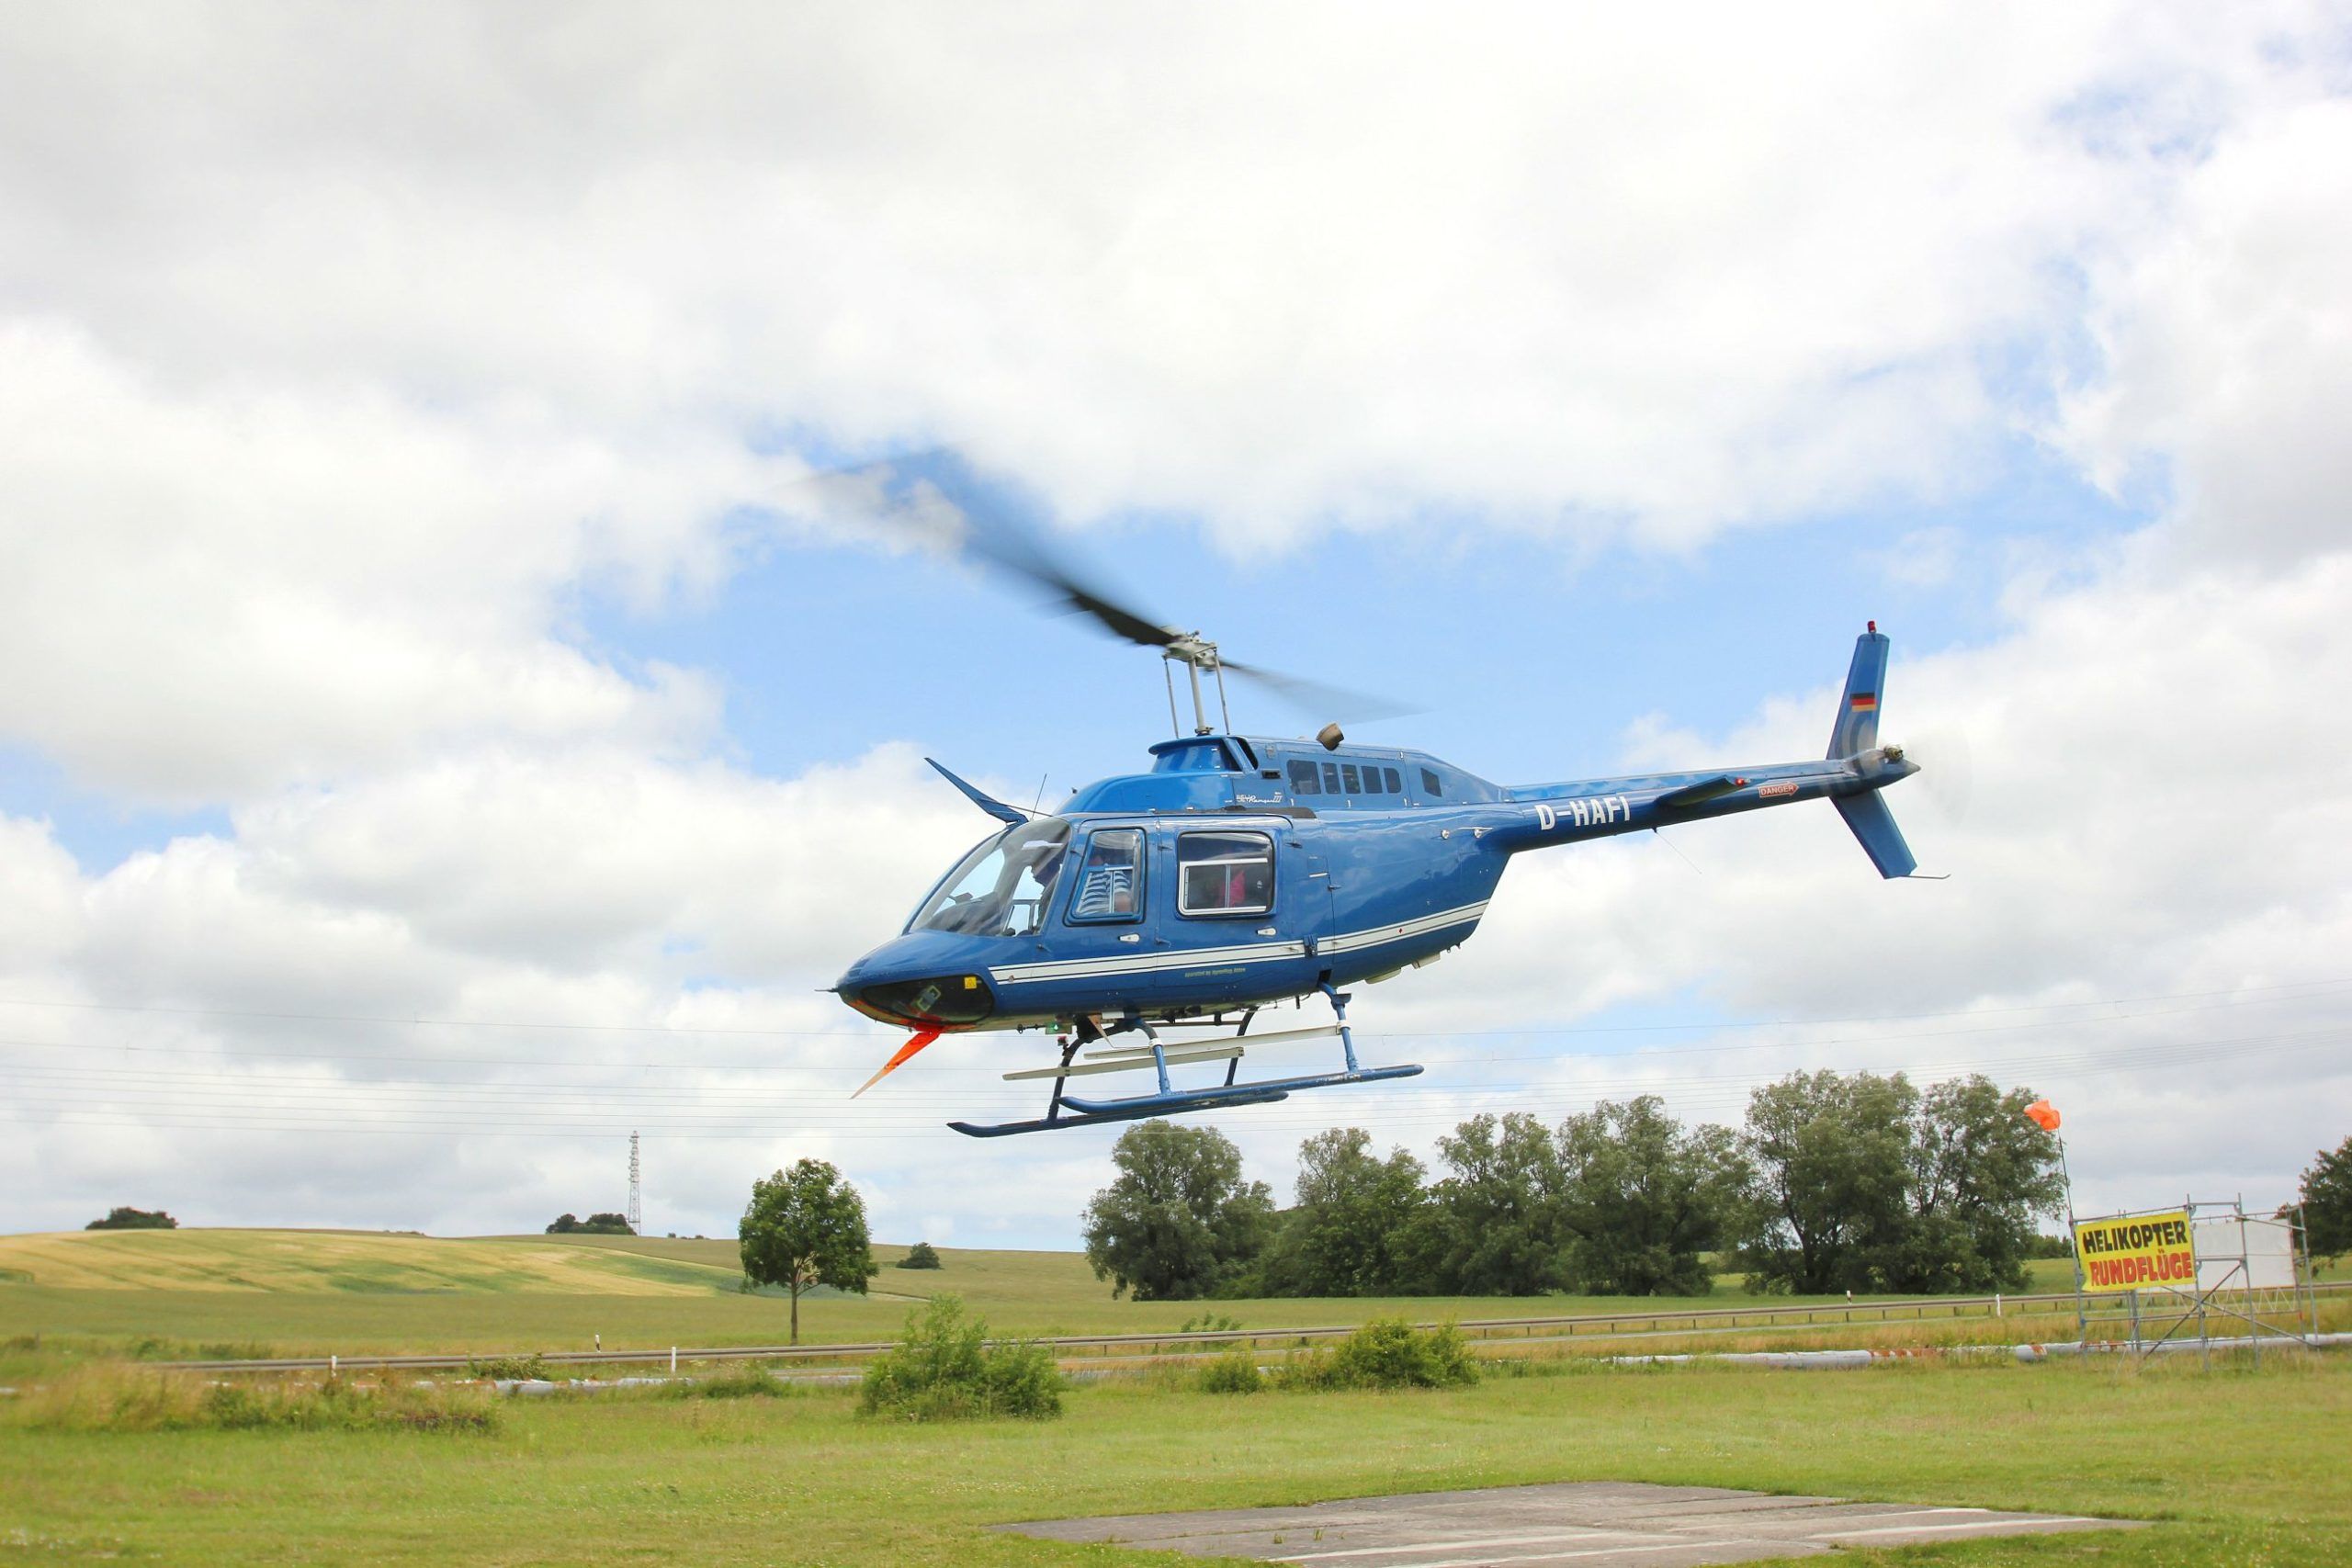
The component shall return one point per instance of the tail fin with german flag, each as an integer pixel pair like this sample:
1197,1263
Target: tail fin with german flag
1856,730
1855,733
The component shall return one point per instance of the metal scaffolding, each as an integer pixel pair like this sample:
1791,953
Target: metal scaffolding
2253,1273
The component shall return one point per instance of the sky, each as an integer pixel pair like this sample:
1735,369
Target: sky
441,735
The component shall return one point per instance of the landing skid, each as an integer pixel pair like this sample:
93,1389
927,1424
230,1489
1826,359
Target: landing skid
1069,1111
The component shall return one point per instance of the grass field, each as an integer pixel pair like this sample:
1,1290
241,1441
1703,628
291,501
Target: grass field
2244,1468
350,1293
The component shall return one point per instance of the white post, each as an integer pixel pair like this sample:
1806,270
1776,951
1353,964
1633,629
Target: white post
333,1365
1996,1304
673,1359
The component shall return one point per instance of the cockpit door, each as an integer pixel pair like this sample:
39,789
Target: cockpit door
1305,905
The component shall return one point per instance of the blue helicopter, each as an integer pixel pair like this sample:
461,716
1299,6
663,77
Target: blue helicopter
1241,872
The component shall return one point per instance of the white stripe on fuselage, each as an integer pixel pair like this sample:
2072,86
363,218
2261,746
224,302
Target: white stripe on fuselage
1201,957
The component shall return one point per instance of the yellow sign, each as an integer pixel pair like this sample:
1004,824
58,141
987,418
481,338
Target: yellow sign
2137,1251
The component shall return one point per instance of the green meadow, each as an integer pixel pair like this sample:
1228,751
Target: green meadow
353,1293
2241,1467
100,1457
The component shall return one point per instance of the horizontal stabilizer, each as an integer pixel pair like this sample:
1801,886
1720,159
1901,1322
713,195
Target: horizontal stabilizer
1873,824
1701,792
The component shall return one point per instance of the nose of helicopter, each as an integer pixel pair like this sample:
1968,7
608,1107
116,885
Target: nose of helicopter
924,980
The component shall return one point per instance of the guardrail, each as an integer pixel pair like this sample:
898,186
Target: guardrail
1495,1331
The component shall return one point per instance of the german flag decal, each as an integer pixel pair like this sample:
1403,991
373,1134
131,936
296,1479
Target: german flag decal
1864,702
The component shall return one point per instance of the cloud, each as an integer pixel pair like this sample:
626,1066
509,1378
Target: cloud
553,951
2226,343
223,593
341,366
1278,267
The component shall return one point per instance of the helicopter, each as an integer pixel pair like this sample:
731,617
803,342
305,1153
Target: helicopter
1239,872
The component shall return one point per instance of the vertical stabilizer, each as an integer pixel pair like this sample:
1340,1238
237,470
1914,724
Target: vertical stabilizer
1856,730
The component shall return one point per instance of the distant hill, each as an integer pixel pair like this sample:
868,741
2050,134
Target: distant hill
351,1261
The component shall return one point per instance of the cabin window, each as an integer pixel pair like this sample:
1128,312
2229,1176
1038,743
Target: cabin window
1396,784
1304,779
1000,888
1348,780
1110,882
1429,783
1224,874
1330,778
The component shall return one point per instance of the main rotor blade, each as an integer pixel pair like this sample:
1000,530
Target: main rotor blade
933,495
1320,698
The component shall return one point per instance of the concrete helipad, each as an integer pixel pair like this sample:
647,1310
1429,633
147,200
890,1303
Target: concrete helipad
1594,1524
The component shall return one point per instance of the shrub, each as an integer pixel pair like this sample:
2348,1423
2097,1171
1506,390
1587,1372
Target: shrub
944,1369
1236,1373
113,1398
1386,1352
742,1382
508,1369
1209,1323
134,1220
922,1254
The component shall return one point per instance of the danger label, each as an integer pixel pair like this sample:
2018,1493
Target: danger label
2136,1252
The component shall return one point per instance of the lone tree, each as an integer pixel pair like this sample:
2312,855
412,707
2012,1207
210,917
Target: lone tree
1178,1221
922,1254
2327,1202
806,1226
134,1220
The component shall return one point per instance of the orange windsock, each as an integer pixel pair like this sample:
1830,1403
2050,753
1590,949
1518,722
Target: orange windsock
2042,1114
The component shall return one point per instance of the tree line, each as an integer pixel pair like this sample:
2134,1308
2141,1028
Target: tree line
1835,1182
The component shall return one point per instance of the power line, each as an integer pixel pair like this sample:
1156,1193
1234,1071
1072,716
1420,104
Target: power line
462,1093
690,1028
555,1122
2252,997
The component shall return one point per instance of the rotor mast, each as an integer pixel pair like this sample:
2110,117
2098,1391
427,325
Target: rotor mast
1196,653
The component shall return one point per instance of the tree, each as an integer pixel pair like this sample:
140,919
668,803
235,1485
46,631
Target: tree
806,1226
1861,1182
134,1220
1356,1223
1178,1220
1830,1154
2327,1202
922,1254
1492,1228
594,1224
1641,1199
1981,1176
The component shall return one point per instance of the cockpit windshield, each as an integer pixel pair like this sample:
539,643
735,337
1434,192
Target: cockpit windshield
1000,888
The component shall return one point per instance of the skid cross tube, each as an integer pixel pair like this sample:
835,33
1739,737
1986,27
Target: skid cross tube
1066,1110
